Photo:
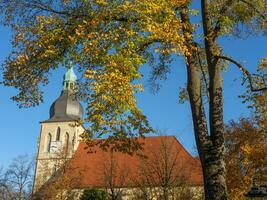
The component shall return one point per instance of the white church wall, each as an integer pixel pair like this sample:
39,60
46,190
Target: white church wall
133,193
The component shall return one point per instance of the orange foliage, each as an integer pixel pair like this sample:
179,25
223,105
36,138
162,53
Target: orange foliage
246,156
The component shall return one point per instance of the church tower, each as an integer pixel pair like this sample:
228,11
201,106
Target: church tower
59,136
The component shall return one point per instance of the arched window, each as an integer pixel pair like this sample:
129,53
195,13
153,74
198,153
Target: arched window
49,138
66,142
58,134
73,140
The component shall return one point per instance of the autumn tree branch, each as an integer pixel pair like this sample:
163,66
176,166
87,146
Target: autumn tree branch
218,24
254,8
245,72
47,8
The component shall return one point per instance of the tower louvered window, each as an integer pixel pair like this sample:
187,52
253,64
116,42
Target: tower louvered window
49,138
58,134
66,142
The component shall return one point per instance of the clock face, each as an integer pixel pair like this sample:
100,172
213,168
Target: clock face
56,146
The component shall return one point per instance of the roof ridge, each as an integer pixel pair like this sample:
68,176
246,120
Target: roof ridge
183,147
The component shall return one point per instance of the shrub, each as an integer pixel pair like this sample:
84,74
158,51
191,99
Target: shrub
94,194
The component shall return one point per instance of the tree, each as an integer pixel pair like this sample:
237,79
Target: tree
16,181
114,176
55,181
110,41
5,191
246,153
164,175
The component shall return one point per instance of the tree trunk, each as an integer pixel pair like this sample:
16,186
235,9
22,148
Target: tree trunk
210,152
210,146
214,173
214,164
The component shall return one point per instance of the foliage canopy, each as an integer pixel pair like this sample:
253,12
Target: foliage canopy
246,152
108,41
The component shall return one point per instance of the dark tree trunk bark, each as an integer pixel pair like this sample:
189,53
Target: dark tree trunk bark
214,173
210,146
214,159
211,150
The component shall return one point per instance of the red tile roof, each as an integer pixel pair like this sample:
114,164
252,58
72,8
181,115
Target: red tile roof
95,169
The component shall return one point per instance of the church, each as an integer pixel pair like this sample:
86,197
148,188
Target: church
66,167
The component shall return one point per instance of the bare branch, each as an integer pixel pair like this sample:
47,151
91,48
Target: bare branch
245,72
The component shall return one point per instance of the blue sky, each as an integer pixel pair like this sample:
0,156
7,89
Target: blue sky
20,128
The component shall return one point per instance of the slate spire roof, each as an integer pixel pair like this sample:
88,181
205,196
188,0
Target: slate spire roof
66,107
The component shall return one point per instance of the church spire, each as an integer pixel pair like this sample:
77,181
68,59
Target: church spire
70,78
67,107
